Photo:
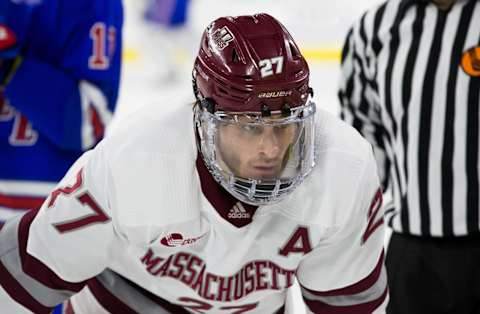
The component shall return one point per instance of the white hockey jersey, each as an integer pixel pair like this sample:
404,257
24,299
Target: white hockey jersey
139,226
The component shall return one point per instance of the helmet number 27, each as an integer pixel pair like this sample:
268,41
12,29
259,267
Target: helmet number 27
266,66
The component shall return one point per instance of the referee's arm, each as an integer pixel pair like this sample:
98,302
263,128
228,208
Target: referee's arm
357,95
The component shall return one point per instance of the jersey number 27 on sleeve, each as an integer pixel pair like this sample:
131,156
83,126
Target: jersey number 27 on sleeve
98,215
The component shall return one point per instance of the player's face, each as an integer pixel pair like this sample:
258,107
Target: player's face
255,151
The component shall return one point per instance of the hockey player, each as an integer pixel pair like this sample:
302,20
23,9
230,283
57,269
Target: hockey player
59,77
215,216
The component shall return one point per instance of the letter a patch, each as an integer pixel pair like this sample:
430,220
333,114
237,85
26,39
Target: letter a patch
299,242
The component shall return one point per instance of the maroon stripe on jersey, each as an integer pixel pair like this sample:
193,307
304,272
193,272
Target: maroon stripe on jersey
19,294
33,267
110,302
21,202
355,288
98,127
363,308
68,308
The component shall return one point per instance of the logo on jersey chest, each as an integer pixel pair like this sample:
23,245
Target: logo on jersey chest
191,270
177,239
238,212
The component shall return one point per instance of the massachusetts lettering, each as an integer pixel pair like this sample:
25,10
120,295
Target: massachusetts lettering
191,270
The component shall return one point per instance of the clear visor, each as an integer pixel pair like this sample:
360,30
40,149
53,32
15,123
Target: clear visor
258,159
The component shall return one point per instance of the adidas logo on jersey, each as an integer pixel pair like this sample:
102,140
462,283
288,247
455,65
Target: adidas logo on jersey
238,212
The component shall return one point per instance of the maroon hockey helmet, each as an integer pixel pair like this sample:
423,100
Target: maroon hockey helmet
250,63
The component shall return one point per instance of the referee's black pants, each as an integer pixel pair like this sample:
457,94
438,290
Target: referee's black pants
433,276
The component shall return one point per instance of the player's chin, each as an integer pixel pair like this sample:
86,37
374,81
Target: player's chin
264,173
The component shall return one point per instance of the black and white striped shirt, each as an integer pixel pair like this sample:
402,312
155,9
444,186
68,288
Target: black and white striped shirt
411,85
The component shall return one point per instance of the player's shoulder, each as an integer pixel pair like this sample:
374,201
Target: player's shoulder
151,137
328,196
341,152
153,129
151,161
335,137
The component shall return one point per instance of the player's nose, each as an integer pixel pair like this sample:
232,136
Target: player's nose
269,143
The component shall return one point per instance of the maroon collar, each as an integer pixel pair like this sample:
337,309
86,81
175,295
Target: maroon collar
231,209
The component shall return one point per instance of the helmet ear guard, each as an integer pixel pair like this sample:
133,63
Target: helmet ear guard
205,103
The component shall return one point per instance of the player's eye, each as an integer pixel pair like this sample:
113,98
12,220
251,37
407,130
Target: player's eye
252,129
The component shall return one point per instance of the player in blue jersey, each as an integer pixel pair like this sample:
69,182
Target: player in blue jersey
59,78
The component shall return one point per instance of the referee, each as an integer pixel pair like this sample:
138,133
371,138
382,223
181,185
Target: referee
410,84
